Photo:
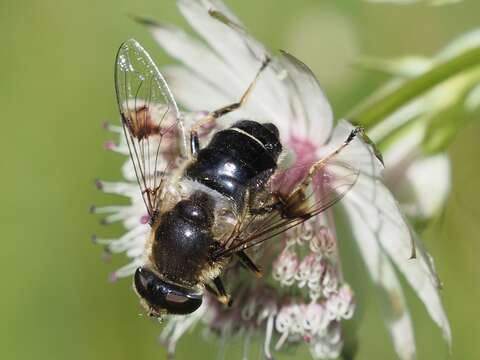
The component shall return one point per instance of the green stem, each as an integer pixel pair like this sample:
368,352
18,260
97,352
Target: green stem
375,110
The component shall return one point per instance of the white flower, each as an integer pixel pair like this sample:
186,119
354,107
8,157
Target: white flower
303,297
413,138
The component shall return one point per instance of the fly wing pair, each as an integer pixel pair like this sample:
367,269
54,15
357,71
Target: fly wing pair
154,130
294,196
151,121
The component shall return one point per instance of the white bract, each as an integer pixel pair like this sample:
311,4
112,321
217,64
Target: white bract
303,297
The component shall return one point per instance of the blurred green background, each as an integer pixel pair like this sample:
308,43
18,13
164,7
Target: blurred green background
56,88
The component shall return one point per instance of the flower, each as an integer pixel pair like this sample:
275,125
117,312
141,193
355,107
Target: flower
414,139
303,297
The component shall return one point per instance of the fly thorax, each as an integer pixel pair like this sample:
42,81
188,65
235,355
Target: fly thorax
236,159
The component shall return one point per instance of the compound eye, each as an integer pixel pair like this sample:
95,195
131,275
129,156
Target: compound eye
182,303
145,282
161,295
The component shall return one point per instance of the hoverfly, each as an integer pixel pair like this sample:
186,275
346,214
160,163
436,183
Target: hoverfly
220,199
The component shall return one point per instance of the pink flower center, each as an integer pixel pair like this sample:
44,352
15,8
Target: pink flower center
305,155
304,149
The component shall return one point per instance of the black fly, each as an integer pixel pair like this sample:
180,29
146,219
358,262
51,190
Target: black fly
221,200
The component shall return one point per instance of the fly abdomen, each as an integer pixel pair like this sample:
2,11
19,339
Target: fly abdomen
183,239
236,157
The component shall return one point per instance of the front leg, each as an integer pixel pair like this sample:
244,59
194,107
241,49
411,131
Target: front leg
218,290
212,116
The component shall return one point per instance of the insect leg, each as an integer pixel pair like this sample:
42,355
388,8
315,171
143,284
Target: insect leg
214,292
266,209
292,206
194,143
247,262
223,297
214,115
321,163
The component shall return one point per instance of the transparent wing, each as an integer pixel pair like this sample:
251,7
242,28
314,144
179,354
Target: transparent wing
150,118
296,196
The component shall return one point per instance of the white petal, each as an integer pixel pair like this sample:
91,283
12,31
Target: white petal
462,43
357,154
177,326
201,60
243,56
192,92
380,213
472,101
407,66
396,315
403,149
318,113
409,175
196,94
429,179
298,106
237,51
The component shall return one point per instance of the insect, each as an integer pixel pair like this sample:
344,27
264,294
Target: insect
216,201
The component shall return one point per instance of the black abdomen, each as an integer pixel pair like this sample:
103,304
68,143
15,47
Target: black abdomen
242,156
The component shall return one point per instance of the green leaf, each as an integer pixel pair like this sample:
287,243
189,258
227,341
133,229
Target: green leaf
377,108
443,129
